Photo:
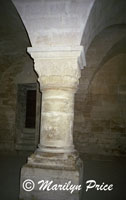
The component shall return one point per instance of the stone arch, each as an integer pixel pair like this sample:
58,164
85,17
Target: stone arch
16,67
107,49
102,15
100,50
103,110
118,48
13,37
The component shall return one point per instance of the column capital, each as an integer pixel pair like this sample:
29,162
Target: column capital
58,65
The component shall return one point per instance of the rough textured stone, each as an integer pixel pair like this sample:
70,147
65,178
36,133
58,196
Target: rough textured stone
59,75
58,176
102,128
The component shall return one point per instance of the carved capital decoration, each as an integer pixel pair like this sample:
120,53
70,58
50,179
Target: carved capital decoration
57,67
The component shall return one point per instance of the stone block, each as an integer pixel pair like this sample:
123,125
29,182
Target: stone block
54,176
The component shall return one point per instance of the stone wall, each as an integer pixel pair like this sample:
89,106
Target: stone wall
16,67
19,71
100,114
99,125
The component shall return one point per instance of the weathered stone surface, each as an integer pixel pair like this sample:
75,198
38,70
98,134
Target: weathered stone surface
102,126
59,168
59,75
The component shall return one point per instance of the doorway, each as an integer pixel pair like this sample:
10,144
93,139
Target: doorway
26,117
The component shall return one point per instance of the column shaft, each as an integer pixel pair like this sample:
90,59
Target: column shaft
57,120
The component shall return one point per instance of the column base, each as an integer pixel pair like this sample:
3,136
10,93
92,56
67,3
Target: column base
62,169
50,149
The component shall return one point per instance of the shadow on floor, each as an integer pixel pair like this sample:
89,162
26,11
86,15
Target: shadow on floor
109,171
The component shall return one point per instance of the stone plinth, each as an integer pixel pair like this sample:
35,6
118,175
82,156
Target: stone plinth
61,169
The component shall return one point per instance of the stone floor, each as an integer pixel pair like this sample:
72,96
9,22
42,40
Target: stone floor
104,169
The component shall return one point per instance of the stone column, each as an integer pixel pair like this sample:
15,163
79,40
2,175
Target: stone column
58,74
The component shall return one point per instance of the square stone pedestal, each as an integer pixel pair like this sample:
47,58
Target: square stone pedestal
43,181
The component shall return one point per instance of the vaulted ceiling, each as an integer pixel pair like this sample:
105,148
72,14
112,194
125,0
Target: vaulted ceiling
14,39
